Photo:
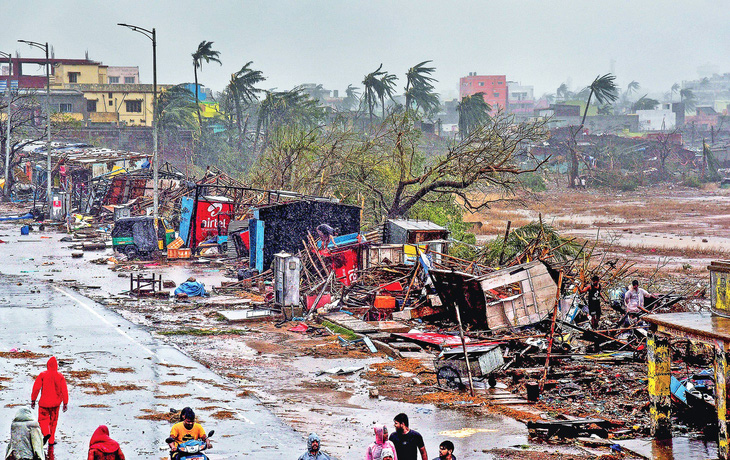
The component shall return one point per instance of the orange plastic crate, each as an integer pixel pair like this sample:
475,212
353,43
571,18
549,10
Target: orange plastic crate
184,253
176,243
172,253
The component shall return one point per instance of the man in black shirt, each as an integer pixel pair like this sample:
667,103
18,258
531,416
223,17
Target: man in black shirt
594,300
408,443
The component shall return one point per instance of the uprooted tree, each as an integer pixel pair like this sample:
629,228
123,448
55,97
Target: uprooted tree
395,167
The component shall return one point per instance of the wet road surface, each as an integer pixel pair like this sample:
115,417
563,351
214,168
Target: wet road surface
53,320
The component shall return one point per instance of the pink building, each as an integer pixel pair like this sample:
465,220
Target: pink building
122,75
494,88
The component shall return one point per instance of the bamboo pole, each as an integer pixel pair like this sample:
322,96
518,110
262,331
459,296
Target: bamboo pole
552,331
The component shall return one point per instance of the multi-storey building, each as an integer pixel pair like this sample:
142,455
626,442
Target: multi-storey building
493,87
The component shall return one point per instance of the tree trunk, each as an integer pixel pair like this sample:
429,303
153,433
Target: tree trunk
197,102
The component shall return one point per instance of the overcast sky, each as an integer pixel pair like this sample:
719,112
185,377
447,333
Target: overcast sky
336,42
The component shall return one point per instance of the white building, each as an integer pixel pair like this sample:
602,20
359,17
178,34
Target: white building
658,119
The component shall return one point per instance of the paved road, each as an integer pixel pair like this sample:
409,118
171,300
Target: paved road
53,320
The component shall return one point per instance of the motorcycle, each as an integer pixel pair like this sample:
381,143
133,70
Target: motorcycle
191,450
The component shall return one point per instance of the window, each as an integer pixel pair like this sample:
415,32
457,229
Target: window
91,106
129,80
73,77
481,83
110,96
134,106
113,80
111,103
66,108
499,83
496,94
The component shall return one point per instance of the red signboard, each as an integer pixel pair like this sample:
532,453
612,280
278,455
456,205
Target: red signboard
344,263
212,218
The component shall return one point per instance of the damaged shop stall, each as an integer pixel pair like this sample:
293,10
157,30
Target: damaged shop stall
517,296
285,227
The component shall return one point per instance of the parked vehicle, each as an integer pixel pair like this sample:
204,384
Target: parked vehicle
136,236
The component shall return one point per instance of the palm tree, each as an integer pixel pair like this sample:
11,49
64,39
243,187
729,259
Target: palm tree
675,88
373,88
205,53
387,85
351,97
688,97
294,107
644,103
175,111
473,112
605,90
243,90
419,89
632,87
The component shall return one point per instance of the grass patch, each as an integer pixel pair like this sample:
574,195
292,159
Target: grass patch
204,332
21,355
180,396
344,332
107,388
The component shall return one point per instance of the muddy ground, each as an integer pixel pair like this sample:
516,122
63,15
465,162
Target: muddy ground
672,234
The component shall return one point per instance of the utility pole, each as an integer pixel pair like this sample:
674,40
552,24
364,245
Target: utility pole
152,35
44,47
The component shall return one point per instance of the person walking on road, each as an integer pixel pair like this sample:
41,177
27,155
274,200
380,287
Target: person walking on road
375,450
26,439
408,443
313,452
102,447
52,387
446,451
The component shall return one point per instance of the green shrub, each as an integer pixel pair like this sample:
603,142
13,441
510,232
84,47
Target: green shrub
692,181
533,181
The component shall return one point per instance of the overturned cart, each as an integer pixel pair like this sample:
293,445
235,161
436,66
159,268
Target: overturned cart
451,369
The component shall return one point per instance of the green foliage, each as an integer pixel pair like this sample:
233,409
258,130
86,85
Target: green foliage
420,93
645,103
533,181
346,334
692,181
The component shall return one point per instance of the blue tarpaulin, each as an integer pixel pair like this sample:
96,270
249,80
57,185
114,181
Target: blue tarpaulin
24,216
191,288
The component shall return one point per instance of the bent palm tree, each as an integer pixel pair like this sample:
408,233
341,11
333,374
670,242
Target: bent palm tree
675,88
373,88
205,53
387,85
605,91
419,88
473,112
243,91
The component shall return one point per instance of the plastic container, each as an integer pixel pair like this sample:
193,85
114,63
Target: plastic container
184,253
25,230
172,253
533,391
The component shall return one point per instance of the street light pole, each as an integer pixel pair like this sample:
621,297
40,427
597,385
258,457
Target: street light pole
7,129
152,35
43,46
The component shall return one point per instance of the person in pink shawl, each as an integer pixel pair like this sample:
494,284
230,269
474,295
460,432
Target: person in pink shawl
375,449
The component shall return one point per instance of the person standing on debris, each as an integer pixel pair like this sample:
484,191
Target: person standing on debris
594,300
186,430
326,235
408,443
634,298
102,447
26,439
376,449
446,451
52,387
313,452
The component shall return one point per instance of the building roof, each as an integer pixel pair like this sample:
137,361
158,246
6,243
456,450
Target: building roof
422,225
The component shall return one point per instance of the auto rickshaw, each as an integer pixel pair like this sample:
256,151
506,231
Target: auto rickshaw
135,236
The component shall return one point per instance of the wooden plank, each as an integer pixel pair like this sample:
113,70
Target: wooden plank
389,326
349,322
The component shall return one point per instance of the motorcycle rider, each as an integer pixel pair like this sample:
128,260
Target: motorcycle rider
186,430
313,452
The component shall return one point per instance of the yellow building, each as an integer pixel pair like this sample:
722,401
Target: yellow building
116,103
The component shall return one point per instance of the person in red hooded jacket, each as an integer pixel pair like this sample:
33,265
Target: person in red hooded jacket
102,447
52,387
